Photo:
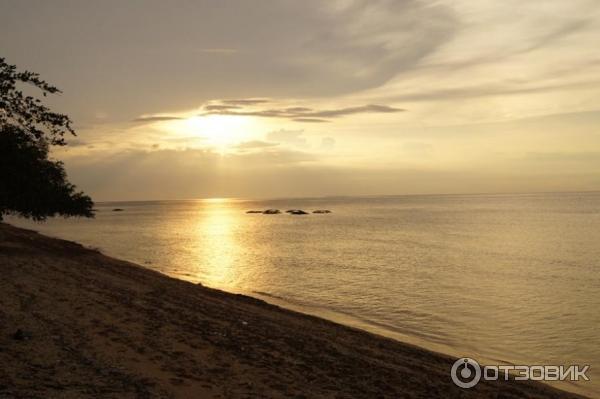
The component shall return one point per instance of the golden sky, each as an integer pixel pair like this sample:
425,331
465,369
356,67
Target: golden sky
192,99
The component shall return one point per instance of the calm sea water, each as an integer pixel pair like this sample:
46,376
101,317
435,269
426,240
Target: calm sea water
500,278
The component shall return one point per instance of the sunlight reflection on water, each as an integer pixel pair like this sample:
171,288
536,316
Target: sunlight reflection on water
215,233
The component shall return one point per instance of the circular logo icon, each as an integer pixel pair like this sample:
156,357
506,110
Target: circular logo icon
465,372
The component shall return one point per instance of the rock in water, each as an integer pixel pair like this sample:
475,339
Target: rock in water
271,212
297,212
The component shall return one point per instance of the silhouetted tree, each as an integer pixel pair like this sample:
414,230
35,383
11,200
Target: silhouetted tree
31,184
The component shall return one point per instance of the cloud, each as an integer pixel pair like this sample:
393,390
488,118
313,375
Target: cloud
158,59
287,49
255,144
298,109
363,44
332,113
487,90
548,38
253,107
157,118
245,101
220,107
298,114
558,33
310,120
327,143
497,54
291,137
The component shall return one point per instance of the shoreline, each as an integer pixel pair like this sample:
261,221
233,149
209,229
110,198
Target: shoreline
388,332
98,325
353,321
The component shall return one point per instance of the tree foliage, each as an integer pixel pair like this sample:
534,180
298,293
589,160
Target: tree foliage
31,184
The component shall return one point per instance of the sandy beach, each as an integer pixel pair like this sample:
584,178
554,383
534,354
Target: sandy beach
77,324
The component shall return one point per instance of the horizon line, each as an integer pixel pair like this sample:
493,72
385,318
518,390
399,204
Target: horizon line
250,199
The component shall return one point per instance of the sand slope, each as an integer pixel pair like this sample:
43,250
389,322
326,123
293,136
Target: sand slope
94,327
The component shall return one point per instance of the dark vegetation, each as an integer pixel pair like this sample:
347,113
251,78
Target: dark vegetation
31,184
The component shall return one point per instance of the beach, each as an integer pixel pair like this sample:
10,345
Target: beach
75,323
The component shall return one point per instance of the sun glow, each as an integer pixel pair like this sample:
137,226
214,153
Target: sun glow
219,131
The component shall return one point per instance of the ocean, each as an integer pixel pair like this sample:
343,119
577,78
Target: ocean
504,279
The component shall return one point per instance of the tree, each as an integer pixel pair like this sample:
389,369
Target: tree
31,184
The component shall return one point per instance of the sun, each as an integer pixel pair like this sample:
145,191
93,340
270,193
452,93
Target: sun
219,131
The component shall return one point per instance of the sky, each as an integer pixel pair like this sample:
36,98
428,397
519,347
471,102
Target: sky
260,99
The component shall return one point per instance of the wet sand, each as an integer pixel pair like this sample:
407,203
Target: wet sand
77,324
